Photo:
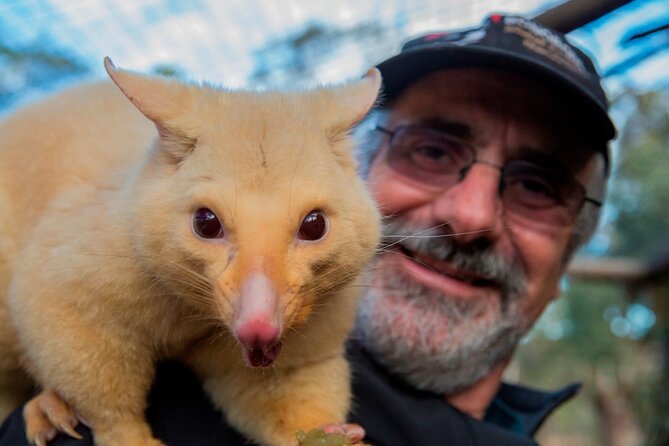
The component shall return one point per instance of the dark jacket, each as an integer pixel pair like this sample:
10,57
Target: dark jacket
392,413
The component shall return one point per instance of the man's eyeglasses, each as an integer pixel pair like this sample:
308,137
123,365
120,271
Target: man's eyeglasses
436,159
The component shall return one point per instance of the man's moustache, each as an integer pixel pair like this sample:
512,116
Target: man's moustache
478,257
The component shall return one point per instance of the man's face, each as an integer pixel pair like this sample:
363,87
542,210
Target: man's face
463,277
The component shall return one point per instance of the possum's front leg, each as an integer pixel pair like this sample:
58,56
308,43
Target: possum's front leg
102,370
107,387
270,406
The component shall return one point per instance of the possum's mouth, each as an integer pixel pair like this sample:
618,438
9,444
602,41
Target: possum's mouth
259,357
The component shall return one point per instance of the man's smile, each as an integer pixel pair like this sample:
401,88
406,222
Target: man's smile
442,274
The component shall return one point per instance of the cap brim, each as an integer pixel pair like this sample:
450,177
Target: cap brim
406,68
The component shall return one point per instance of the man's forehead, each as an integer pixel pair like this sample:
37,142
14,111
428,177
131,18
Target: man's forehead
476,104
495,89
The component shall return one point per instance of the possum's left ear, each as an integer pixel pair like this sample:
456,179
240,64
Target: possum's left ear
350,103
162,101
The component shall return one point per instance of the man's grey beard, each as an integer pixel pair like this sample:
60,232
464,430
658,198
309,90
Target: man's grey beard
437,342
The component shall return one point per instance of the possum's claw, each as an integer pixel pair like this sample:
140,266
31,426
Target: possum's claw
39,429
45,415
41,440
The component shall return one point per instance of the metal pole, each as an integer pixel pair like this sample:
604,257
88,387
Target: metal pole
573,14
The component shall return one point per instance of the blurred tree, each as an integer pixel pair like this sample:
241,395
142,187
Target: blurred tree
169,70
574,342
641,192
611,337
34,67
297,58
640,189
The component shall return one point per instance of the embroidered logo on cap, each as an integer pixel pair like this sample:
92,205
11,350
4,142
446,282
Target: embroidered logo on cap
545,42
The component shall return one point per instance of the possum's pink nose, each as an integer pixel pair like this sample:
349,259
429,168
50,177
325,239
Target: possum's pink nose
257,323
260,341
257,334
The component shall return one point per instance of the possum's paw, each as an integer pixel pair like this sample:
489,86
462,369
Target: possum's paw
47,414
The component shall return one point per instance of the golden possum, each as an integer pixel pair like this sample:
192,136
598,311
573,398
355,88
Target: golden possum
231,237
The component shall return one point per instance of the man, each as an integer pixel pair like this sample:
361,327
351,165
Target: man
489,158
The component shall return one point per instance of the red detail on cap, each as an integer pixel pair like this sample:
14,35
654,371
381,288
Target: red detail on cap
496,18
434,36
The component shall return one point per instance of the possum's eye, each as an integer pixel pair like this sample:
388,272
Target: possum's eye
314,226
206,224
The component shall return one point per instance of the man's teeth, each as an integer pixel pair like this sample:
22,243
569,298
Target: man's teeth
446,269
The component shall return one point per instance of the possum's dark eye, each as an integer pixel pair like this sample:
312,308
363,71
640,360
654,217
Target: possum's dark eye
206,224
314,226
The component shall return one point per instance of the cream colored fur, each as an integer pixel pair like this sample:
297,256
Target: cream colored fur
101,274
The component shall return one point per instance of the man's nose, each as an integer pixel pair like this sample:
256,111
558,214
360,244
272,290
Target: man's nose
472,208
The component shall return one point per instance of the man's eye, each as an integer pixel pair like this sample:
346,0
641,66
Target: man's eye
431,152
536,186
433,155
534,191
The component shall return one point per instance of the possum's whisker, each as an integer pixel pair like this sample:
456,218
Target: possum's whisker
384,248
417,235
319,281
197,288
405,237
296,331
320,286
202,318
423,231
197,281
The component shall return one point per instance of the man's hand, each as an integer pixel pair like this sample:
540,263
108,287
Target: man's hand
333,435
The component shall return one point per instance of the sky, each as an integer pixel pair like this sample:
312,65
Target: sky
213,38
604,40
216,39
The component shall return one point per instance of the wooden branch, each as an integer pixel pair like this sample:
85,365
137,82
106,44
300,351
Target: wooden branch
623,269
574,14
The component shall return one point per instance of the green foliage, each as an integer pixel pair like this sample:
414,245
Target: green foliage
576,331
35,66
640,191
168,70
577,339
573,342
296,58
641,194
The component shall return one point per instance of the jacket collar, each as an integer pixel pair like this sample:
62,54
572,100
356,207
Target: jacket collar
523,410
515,411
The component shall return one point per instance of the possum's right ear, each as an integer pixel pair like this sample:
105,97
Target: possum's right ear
160,100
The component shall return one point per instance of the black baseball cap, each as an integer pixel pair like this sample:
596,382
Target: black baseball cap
506,42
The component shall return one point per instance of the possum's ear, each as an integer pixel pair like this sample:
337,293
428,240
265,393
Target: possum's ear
350,103
158,99
162,101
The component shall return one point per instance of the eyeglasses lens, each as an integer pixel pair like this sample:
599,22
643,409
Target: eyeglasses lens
436,160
